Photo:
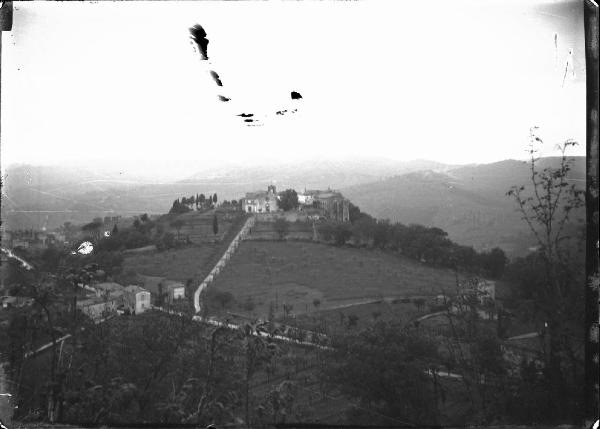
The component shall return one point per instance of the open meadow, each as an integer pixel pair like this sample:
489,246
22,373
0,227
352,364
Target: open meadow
264,274
191,262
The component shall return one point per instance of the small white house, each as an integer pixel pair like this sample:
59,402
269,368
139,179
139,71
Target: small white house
174,290
305,199
483,290
486,290
136,299
97,308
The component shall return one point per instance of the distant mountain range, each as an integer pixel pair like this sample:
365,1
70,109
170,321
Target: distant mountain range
467,201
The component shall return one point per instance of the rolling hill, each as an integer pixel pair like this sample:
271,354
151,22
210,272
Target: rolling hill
38,196
468,202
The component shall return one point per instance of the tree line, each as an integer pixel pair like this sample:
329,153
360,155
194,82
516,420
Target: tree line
199,201
430,245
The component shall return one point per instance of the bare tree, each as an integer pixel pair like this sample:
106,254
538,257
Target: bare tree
547,205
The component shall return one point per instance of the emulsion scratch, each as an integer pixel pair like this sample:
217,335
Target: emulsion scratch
84,248
569,67
216,78
199,37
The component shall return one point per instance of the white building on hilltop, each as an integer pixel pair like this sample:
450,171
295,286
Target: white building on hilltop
261,201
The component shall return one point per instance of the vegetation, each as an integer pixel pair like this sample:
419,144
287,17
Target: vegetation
179,207
468,202
215,225
425,244
288,200
297,273
387,364
282,227
386,370
546,206
186,204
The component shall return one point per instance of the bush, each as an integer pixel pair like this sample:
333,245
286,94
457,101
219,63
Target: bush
165,241
282,227
126,239
223,299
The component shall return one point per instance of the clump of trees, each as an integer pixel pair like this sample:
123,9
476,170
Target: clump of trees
385,369
198,201
425,244
288,200
139,235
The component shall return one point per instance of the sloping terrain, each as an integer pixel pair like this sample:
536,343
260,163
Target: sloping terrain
275,273
469,202
36,196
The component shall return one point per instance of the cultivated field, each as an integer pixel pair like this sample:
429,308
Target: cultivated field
274,273
174,264
198,226
190,262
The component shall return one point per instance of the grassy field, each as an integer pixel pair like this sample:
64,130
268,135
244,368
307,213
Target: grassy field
191,262
296,230
336,321
174,264
297,273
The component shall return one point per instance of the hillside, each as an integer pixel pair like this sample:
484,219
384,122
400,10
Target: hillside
38,196
469,202
266,273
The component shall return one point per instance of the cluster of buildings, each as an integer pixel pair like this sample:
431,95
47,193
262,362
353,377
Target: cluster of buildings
478,291
328,204
105,299
31,239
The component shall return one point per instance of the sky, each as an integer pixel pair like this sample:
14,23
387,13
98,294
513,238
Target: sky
455,82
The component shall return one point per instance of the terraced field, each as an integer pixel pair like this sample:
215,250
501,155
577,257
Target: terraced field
198,226
193,261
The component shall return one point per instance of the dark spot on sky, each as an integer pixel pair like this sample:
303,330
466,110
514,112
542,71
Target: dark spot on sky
295,95
215,76
246,115
223,98
198,35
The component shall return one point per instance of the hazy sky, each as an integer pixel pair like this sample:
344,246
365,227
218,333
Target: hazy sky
454,82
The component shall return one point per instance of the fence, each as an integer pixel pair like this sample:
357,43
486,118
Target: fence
222,262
